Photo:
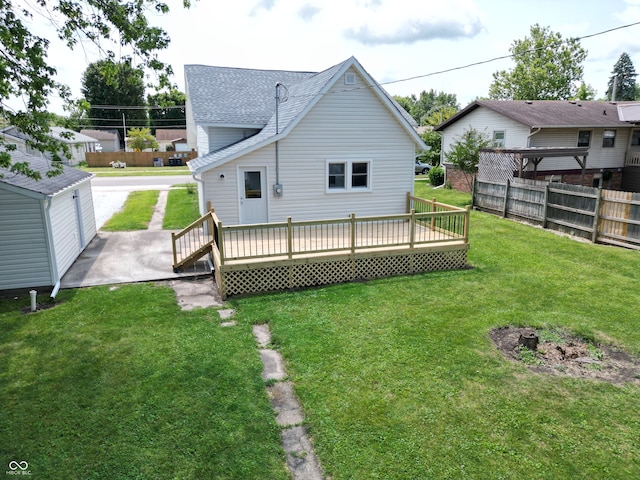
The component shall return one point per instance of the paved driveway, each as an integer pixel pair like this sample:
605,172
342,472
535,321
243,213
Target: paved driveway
125,257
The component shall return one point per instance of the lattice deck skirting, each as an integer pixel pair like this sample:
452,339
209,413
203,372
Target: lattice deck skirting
285,274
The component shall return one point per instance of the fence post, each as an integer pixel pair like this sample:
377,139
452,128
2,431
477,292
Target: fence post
473,190
289,237
352,218
544,205
506,199
596,217
408,202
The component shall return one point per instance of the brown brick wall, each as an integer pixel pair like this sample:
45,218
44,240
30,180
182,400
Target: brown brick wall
458,180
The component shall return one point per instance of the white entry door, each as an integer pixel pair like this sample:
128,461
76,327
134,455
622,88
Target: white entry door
253,195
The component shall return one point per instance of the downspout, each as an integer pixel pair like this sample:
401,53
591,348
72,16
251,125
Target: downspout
277,188
50,248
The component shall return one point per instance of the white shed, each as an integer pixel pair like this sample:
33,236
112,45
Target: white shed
44,224
335,143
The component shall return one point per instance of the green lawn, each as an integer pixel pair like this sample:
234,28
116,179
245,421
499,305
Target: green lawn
121,384
398,377
136,213
182,208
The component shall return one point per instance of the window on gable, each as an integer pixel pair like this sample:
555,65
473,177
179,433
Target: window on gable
498,138
584,138
349,175
608,138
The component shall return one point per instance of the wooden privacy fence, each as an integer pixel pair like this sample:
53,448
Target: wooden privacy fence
280,255
605,216
136,159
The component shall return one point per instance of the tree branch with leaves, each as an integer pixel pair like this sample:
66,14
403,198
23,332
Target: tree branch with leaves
464,152
26,75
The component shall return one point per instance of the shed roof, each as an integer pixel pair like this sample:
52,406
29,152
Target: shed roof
548,113
57,133
46,185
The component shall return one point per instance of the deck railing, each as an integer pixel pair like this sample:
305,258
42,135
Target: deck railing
441,223
194,241
632,160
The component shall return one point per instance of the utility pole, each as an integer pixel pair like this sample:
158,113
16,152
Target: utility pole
124,130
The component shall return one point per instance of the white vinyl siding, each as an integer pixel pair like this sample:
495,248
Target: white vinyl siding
220,137
344,124
486,122
598,157
24,260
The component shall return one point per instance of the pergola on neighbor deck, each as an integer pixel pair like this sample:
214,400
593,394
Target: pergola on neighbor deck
288,255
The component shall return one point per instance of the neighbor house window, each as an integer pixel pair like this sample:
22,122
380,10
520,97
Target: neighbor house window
584,138
608,138
498,139
349,175
635,138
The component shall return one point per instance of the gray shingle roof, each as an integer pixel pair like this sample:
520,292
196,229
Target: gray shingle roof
56,132
101,134
235,95
549,113
46,186
300,96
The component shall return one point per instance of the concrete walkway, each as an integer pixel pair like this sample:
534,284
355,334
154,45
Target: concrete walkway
129,257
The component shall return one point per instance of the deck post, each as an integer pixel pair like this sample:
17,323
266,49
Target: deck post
408,202
433,210
412,230
175,255
352,218
221,243
289,238
466,224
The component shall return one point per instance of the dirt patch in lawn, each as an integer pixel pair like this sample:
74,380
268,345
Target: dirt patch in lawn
561,353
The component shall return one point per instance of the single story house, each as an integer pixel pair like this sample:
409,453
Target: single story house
612,141
78,143
274,144
45,223
108,140
174,137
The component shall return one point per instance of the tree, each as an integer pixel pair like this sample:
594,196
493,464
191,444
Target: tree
433,140
141,139
546,68
167,109
427,104
464,153
26,75
585,92
624,76
109,84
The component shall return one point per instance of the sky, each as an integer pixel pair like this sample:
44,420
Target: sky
394,40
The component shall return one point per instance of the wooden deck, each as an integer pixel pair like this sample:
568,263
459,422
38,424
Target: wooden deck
287,255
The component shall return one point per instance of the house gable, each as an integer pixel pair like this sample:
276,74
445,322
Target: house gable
301,99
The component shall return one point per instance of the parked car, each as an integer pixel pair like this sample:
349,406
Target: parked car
422,167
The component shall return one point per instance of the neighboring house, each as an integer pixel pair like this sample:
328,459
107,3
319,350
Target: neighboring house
334,144
78,143
45,224
612,142
108,140
175,137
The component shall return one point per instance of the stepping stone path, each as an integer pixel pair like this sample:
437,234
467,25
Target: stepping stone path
302,462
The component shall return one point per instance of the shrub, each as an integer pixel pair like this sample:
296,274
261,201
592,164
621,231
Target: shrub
436,176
